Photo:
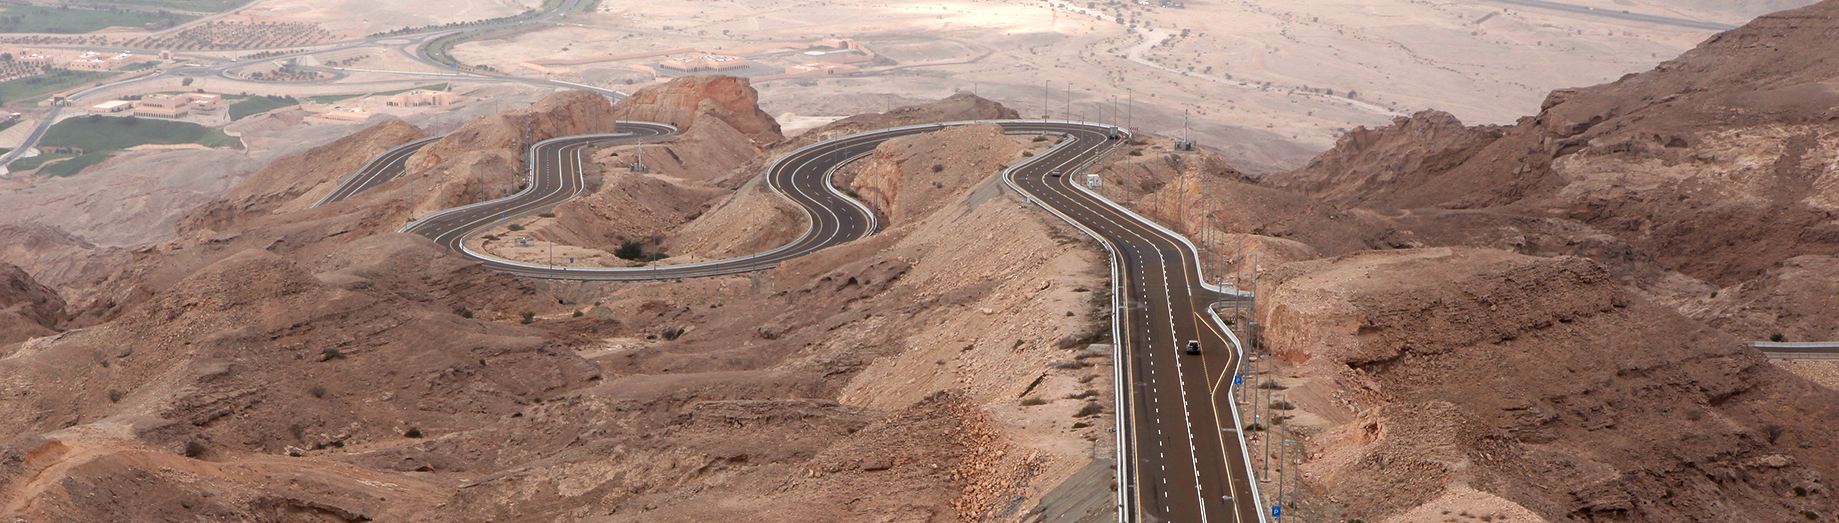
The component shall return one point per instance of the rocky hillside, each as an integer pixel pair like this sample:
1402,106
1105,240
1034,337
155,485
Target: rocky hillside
1494,383
28,309
1715,167
293,363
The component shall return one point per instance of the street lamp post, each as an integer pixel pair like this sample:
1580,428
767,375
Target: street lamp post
1047,104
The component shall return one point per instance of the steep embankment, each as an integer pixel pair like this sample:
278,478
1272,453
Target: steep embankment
1494,383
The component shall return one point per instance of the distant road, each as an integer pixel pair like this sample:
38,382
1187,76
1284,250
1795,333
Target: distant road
1622,15
32,139
378,171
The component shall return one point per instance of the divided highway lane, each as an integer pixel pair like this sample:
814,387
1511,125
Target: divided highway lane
1183,460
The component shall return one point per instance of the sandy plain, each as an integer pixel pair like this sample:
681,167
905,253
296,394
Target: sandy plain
1266,83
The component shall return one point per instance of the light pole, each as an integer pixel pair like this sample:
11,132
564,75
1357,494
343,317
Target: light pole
1047,104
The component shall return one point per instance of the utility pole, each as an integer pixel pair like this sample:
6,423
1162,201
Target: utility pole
1184,128
1047,105
1069,102
1265,415
1281,439
1130,108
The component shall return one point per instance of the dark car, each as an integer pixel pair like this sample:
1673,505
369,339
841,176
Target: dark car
1193,347
1055,174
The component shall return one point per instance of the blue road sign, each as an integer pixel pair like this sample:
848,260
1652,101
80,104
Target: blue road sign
1277,511
1238,380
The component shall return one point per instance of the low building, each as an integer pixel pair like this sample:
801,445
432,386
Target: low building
841,56
164,106
820,69
422,98
113,106
713,62
202,101
343,114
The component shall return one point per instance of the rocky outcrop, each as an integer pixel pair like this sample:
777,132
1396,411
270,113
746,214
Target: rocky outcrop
960,106
1796,300
27,308
1366,163
1708,173
694,101
910,176
1541,381
58,259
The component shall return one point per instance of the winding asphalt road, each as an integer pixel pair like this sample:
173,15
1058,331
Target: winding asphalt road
1185,461
1183,458
378,171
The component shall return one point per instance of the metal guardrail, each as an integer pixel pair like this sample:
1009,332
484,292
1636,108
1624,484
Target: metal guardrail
1798,350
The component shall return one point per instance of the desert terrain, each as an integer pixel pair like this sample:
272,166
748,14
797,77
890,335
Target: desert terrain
1506,258
1269,85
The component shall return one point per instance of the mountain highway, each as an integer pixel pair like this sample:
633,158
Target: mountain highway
1182,457
378,171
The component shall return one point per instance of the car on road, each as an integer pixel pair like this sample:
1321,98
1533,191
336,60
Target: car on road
1193,347
1055,174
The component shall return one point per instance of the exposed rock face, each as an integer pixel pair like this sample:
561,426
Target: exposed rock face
961,106
1544,382
1366,164
690,102
296,182
58,259
1796,300
910,176
27,308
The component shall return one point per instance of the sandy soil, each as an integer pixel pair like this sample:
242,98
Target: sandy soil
1825,373
1270,82
362,18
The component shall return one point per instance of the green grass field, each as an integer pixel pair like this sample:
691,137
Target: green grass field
435,87
141,66
40,19
184,5
95,133
75,165
19,89
259,104
326,99
27,164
